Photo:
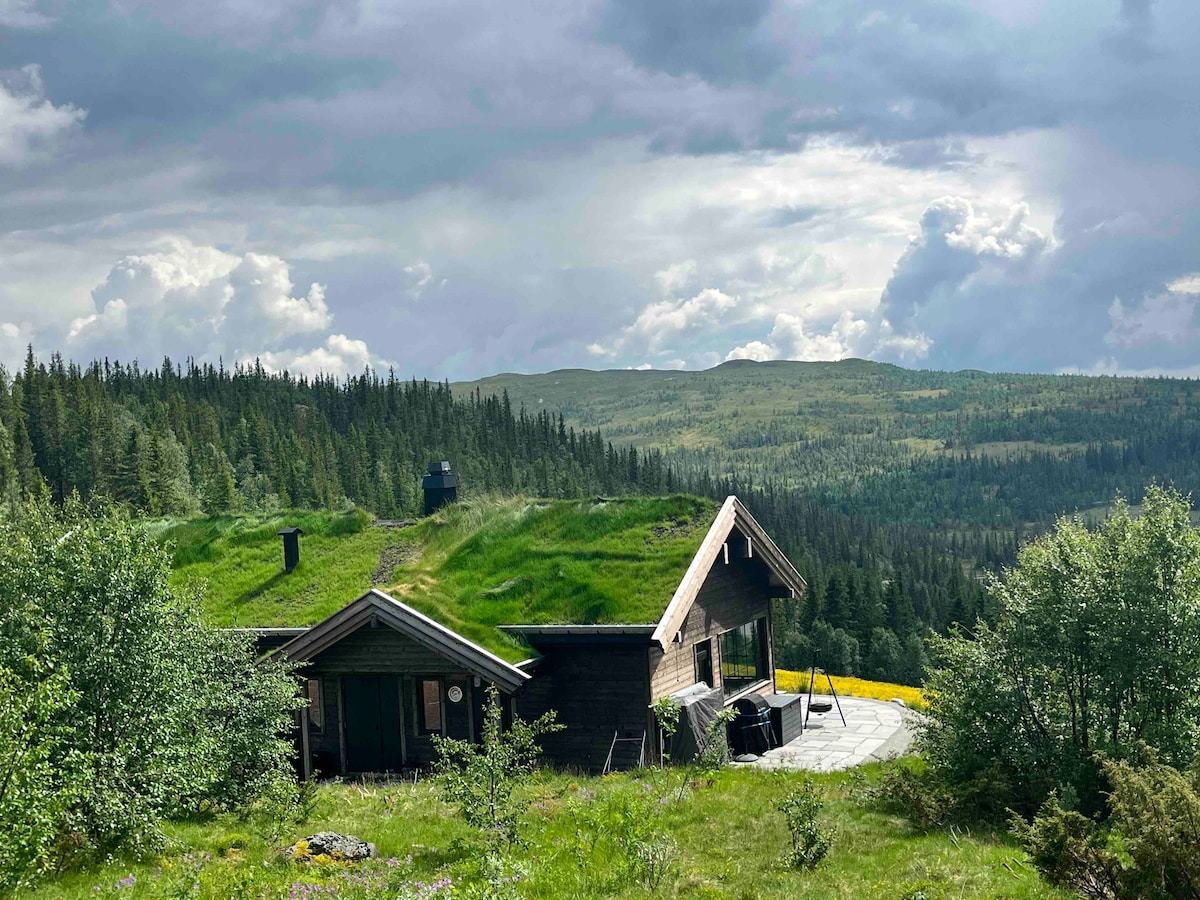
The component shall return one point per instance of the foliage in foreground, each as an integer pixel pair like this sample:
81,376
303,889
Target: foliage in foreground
580,841
119,707
1097,651
810,839
1148,849
481,778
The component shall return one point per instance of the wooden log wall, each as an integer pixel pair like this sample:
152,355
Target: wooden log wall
733,593
597,689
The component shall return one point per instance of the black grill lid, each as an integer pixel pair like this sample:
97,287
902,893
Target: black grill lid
751,705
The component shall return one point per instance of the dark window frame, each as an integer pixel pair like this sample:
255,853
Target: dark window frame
706,647
422,724
744,656
316,709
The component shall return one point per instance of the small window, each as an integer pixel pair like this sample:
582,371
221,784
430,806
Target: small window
316,711
704,666
431,705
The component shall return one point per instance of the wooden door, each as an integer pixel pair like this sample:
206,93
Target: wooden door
372,706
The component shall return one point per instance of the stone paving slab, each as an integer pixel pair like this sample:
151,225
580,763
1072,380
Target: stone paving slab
874,730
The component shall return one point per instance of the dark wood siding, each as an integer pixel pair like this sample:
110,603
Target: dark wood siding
596,689
385,651
382,649
733,593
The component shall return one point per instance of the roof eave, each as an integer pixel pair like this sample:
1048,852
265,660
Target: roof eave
733,513
407,620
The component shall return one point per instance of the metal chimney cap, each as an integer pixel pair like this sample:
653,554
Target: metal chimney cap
439,468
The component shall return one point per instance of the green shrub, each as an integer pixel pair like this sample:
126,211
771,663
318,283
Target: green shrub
480,779
33,795
1148,848
715,752
1097,648
151,714
810,841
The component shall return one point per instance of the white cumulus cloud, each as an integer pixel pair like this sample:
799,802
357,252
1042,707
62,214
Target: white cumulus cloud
339,354
184,299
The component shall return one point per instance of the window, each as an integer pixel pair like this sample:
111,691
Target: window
316,711
431,705
704,670
744,656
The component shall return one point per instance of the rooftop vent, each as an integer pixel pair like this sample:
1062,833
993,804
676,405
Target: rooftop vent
291,547
440,486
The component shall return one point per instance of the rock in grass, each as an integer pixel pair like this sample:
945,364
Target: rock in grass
333,845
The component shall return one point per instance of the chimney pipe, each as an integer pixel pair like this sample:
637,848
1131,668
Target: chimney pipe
440,486
291,548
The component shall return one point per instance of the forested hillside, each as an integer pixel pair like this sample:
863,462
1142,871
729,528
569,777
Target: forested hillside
176,440
960,450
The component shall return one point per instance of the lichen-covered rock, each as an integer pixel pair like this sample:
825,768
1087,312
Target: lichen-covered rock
331,844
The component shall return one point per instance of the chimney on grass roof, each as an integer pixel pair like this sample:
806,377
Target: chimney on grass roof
291,547
440,486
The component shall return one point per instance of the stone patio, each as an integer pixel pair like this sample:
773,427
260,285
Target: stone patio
874,730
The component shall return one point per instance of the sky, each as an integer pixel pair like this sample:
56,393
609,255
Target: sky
455,188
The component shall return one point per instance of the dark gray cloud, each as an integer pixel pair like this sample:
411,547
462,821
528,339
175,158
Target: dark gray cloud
722,41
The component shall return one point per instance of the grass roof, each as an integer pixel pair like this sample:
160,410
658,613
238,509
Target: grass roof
477,564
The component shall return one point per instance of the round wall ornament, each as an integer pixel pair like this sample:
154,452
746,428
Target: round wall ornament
455,694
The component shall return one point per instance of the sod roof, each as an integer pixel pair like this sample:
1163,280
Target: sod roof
473,566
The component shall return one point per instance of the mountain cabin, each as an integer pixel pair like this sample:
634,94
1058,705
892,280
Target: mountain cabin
595,609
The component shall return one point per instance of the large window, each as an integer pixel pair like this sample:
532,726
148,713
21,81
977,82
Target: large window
744,656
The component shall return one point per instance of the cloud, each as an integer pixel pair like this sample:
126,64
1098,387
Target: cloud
187,300
1165,318
960,265
13,341
793,338
337,356
661,323
584,183
31,126
719,41
419,275
23,14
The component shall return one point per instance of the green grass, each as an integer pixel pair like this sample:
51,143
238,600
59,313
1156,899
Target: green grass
729,837
477,564
239,560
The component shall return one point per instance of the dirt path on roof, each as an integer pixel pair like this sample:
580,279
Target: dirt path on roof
391,559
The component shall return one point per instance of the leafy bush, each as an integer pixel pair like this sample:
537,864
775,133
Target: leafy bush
1097,648
1147,849
810,841
129,709
480,779
33,796
715,752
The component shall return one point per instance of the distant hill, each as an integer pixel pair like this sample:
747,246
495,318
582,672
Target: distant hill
937,449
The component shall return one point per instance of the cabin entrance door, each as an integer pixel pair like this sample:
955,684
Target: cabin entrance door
372,705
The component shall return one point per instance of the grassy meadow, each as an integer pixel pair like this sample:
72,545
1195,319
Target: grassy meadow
728,837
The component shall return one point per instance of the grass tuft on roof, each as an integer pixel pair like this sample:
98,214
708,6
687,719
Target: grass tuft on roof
482,562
